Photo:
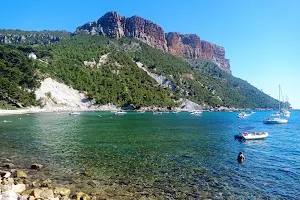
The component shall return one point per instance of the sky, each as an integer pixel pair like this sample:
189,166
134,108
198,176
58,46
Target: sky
261,37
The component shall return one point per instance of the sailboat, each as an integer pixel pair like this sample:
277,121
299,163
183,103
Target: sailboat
285,112
276,120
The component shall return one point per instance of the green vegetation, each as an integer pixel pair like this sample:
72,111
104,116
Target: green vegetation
210,86
117,80
80,62
17,78
232,90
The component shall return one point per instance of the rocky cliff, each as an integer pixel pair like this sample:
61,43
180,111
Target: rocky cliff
116,26
190,46
186,45
8,36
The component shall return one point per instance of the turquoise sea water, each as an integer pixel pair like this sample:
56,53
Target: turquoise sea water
169,156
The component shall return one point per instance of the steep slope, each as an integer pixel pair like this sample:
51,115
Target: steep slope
17,78
241,93
55,96
120,81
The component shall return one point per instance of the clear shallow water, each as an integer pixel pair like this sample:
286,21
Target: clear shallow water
165,156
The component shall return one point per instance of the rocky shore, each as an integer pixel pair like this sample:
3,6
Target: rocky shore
16,184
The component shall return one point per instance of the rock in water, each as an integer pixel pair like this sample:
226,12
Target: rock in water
36,166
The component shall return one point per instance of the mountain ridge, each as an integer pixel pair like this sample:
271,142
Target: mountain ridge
188,68
113,25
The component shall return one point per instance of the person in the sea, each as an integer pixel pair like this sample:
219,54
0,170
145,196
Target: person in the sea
241,157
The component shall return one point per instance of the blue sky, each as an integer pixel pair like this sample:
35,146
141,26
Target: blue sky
261,37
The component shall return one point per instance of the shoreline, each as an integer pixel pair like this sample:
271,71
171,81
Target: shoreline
33,110
109,108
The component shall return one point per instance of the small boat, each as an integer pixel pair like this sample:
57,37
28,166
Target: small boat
176,112
275,114
120,113
157,113
254,135
286,113
276,120
243,115
74,113
196,113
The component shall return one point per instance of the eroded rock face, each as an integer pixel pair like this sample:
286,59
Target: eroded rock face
116,26
190,46
186,45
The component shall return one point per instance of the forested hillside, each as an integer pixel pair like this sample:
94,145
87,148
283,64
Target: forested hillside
106,69
17,78
120,81
116,80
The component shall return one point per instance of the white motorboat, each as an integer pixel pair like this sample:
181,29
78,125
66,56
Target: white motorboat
157,113
120,113
196,113
74,113
253,135
276,120
243,115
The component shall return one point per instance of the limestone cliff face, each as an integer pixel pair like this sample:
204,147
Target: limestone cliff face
116,26
190,46
145,31
216,54
186,45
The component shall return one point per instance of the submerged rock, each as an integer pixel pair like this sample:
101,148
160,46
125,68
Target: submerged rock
36,166
46,183
47,194
81,196
21,174
8,165
62,191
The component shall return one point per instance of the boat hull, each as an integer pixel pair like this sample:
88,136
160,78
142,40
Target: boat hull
74,114
252,135
275,121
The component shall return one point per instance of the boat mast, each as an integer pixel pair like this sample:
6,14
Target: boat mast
279,102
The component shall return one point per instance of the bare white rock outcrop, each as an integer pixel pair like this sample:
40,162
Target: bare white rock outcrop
57,96
160,79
